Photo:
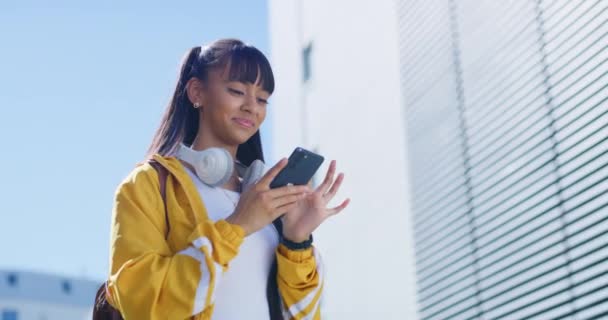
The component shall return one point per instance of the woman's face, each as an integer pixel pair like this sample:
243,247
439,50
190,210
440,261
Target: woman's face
232,111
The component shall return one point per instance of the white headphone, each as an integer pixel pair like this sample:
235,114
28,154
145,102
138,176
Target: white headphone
214,166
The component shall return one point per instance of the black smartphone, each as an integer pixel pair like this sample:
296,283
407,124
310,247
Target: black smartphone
301,167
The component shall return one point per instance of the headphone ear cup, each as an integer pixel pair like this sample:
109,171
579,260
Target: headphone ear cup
214,167
253,174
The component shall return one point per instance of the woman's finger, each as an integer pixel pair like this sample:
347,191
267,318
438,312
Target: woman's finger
334,188
287,191
286,200
284,209
328,178
272,173
336,210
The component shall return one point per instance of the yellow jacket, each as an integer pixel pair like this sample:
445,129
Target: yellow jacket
153,277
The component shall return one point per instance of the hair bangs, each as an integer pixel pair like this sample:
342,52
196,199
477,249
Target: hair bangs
247,64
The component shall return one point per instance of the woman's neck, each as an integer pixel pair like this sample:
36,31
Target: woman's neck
233,184
200,143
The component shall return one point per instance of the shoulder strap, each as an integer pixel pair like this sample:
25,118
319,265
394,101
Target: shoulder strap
163,173
273,296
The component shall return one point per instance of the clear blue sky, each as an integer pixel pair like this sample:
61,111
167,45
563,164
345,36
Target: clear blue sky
82,88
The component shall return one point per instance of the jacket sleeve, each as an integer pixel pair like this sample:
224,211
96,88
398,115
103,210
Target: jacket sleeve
300,281
148,281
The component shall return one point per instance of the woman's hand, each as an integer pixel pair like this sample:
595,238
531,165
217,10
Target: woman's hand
311,210
260,205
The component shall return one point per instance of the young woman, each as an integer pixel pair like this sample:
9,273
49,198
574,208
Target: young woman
211,253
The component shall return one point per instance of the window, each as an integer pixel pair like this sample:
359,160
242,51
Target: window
9,314
506,114
66,286
306,62
12,279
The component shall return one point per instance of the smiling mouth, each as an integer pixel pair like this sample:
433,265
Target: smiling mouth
244,123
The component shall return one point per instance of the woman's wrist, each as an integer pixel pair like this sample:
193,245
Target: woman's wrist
234,219
298,244
293,237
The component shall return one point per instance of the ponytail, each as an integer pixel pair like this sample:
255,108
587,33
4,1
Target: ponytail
180,121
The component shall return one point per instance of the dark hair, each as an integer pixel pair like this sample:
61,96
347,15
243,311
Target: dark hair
180,120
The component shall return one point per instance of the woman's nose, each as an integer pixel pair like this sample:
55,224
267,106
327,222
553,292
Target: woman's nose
250,103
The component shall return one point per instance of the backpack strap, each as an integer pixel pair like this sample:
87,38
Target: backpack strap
163,173
273,297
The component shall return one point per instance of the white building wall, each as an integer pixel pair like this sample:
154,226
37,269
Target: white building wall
350,110
40,296
33,310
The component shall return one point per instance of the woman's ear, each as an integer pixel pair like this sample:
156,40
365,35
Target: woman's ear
195,90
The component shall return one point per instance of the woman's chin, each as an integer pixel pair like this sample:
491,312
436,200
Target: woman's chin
239,139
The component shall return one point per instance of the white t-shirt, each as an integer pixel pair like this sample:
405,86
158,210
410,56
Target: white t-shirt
242,291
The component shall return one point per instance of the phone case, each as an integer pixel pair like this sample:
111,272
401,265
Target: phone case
300,168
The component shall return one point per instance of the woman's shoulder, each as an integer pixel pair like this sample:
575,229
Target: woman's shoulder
142,175
146,172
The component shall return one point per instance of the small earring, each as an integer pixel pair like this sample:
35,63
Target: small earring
196,105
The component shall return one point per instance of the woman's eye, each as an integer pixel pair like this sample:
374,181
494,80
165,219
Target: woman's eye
234,91
263,101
